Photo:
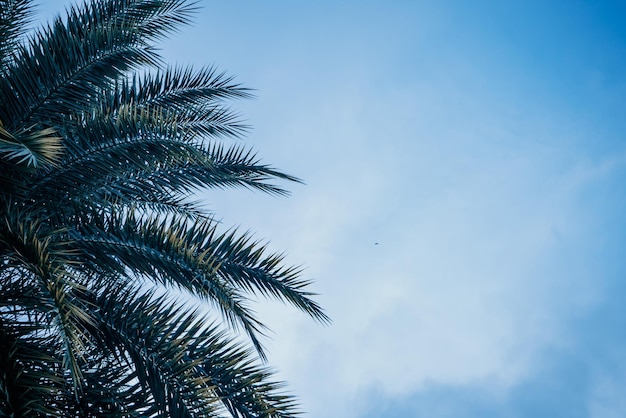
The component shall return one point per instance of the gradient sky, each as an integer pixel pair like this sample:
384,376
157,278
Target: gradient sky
464,208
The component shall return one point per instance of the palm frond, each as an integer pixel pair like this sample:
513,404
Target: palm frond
177,88
15,15
99,154
221,371
193,256
152,167
29,244
246,265
236,167
30,374
195,98
167,250
30,148
68,62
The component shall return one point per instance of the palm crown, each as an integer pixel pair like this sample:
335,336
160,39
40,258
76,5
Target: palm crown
100,147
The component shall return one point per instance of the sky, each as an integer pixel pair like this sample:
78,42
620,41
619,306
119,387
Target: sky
463,215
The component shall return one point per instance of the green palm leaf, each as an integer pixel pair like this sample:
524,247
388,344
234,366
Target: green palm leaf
104,258
15,15
30,148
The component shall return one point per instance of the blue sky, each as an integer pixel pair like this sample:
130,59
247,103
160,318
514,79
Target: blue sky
482,145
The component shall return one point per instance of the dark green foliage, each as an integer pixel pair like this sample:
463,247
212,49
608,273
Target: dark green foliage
100,250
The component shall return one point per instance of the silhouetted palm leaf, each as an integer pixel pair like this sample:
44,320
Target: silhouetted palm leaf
101,250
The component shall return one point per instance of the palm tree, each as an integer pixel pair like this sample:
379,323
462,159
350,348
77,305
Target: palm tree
105,263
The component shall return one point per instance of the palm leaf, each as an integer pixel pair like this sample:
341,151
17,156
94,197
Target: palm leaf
101,147
220,370
66,63
31,148
15,15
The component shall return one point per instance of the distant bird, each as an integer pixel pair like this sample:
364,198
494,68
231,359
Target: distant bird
375,243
